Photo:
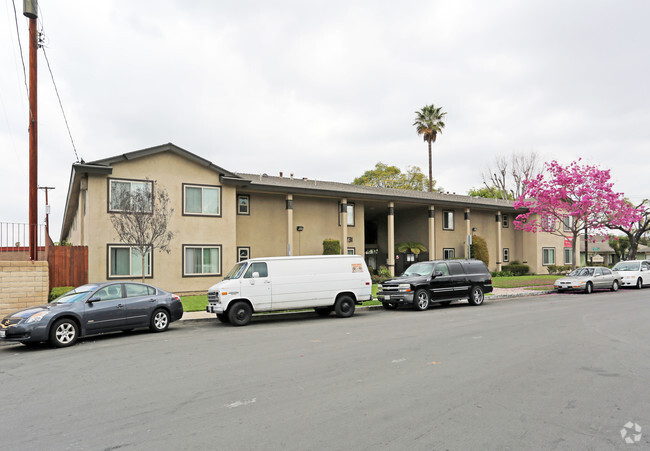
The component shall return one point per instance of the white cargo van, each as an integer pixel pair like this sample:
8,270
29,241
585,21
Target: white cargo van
324,282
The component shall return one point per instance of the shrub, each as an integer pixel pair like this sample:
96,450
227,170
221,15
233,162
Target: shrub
331,247
502,274
517,269
56,292
558,269
382,274
479,249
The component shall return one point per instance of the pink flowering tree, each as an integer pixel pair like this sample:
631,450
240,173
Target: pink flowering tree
567,200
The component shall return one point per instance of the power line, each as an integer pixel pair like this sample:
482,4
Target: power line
21,54
60,104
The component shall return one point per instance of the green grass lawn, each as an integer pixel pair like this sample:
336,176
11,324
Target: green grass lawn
198,303
524,281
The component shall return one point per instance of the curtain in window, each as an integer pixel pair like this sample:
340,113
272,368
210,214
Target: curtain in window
210,261
136,263
193,260
120,260
211,201
192,200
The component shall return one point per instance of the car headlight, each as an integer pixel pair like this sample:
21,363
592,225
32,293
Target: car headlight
404,287
36,317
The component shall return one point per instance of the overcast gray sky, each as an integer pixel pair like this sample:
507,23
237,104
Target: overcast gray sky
326,89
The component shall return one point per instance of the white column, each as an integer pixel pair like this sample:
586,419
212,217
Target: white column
432,233
391,238
499,259
468,232
289,224
344,226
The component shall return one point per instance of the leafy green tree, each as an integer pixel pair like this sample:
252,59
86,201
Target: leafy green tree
637,229
620,245
479,249
384,176
411,247
491,193
428,123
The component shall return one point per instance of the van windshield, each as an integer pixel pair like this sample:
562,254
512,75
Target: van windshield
236,271
419,269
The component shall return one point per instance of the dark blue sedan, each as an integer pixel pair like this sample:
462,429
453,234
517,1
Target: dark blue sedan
93,309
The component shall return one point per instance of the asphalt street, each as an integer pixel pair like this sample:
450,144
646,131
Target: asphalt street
547,372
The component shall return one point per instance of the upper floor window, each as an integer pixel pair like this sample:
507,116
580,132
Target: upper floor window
548,223
447,220
349,209
243,204
201,200
123,193
567,223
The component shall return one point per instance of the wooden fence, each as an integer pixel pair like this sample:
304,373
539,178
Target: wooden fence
68,265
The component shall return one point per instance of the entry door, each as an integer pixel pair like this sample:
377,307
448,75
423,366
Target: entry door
257,289
107,312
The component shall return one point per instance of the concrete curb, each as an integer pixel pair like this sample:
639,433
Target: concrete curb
310,313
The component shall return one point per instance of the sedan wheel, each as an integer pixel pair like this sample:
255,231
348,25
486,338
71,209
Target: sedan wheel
64,333
159,321
615,286
589,288
422,299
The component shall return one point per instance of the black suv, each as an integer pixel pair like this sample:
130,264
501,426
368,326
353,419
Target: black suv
440,281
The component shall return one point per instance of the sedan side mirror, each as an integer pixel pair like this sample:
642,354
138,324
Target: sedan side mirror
93,299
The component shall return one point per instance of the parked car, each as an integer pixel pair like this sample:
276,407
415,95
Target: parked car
440,281
634,273
93,309
588,279
325,283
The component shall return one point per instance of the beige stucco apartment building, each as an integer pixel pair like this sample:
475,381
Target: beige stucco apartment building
222,217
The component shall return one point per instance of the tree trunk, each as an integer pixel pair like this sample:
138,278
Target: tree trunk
430,169
576,250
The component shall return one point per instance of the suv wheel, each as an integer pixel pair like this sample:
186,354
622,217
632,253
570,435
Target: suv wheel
421,300
476,295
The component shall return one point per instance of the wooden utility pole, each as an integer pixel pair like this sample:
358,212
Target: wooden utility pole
47,210
30,8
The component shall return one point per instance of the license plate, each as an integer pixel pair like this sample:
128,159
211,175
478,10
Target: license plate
2,333
386,298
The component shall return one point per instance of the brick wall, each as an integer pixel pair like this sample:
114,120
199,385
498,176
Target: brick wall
22,284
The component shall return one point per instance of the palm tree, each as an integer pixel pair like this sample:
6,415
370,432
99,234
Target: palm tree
411,247
429,123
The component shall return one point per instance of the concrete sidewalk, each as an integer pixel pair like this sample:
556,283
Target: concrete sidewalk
498,294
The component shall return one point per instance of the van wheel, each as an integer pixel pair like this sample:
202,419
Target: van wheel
476,295
421,300
223,317
240,314
390,305
344,306
323,311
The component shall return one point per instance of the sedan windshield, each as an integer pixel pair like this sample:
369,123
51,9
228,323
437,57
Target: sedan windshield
419,269
74,295
236,271
582,272
626,266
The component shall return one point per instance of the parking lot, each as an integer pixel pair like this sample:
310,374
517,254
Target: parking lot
549,372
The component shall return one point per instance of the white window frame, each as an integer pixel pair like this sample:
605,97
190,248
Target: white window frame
202,247
352,250
130,275
131,182
202,188
568,251
506,255
247,212
448,253
551,252
245,249
448,217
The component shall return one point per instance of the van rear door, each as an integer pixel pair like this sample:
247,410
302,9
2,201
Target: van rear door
257,289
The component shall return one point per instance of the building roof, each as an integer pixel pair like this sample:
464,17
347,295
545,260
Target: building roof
603,246
265,182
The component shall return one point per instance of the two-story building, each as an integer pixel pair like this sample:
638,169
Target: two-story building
221,217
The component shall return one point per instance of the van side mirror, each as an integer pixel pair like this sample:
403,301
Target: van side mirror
256,275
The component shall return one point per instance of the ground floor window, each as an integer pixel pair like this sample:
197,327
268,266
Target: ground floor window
568,256
448,254
506,255
201,260
352,251
548,256
243,253
126,261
